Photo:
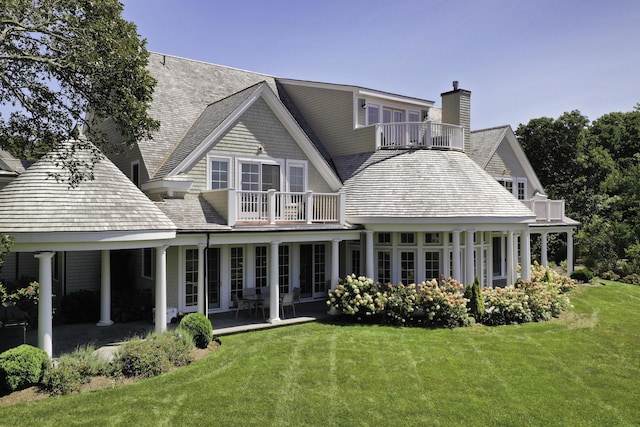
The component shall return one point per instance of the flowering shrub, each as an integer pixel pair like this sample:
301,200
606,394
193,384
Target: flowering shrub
443,304
357,296
399,302
505,305
541,298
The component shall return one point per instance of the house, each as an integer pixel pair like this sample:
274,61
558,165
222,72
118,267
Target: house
273,184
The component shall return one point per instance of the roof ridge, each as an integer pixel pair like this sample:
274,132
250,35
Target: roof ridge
491,128
212,63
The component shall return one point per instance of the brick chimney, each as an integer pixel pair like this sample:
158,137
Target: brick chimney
456,110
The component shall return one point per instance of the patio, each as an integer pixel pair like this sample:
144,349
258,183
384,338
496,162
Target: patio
67,338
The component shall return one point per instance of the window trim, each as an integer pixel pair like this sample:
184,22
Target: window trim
305,175
260,161
229,161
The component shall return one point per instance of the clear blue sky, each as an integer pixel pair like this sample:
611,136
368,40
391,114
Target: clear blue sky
521,59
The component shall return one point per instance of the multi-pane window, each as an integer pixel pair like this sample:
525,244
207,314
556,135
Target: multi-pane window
237,270
407,238
432,265
373,114
259,176
407,267
296,179
508,184
219,173
384,238
355,261
213,277
432,238
319,262
191,277
522,188
384,266
283,268
262,279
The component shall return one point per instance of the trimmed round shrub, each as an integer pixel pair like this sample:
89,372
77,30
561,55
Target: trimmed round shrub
22,367
583,275
199,327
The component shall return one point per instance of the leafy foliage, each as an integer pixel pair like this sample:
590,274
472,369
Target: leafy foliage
22,366
73,370
473,294
199,327
61,59
595,167
155,355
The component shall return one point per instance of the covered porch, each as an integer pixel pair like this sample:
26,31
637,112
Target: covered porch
66,338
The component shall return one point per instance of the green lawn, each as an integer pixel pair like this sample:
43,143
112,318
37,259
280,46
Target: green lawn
582,369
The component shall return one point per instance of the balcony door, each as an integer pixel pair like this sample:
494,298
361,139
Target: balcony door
257,177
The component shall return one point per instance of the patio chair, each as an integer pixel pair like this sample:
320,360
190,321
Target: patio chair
288,301
238,304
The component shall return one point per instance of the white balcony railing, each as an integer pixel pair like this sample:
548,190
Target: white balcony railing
546,210
281,207
420,135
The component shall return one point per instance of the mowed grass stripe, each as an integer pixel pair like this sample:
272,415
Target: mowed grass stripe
581,369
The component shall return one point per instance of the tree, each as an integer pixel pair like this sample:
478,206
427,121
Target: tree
69,64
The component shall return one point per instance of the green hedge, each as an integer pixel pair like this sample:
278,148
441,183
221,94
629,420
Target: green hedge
22,367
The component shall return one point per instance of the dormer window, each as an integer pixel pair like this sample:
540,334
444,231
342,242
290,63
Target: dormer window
373,114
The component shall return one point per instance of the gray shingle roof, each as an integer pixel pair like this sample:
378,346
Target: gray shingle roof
36,202
212,116
193,213
424,184
185,88
484,142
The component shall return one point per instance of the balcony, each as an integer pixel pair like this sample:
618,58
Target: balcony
428,135
275,207
546,210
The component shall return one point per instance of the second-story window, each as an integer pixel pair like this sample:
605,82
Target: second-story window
296,176
373,114
259,176
219,174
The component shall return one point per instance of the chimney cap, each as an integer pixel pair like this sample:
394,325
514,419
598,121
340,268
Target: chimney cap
455,84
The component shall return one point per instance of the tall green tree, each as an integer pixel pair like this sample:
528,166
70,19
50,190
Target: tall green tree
62,59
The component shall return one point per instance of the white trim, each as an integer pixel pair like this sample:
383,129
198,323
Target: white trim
289,163
230,171
260,161
286,119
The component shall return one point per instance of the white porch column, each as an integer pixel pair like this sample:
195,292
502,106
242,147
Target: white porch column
468,255
161,289
369,253
202,308
456,273
489,261
45,305
105,290
511,267
526,255
446,257
335,263
480,268
274,284
543,249
570,251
